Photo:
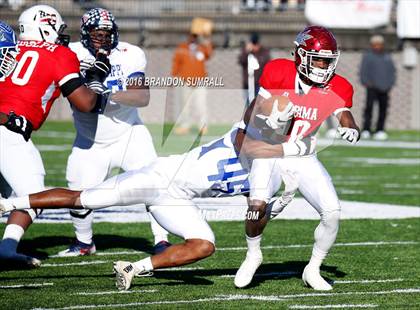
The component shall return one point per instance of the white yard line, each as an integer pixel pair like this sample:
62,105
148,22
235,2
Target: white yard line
367,281
53,148
94,262
234,209
232,298
267,247
267,274
292,273
99,262
346,244
114,292
332,306
378,144
26,285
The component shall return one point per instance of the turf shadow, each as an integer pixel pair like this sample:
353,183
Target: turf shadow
35,247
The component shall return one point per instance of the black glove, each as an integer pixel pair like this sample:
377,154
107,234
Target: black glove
98,87
20,125
100,68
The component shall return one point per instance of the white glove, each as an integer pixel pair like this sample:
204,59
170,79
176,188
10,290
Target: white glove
349,134
277,119
98,87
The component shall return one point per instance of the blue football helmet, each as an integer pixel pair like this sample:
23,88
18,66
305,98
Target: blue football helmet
8,50
98,19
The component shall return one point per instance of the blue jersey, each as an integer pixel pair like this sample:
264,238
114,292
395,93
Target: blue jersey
210,170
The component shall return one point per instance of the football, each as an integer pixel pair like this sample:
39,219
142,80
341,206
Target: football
275,114
266,107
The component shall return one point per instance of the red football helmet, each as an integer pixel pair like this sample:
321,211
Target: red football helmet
313,45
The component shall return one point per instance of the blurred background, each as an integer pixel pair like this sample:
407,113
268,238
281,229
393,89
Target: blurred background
158,26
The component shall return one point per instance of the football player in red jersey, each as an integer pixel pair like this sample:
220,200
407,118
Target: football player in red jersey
45,69
316,92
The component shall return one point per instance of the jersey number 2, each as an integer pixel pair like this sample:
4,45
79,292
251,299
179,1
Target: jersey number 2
20,78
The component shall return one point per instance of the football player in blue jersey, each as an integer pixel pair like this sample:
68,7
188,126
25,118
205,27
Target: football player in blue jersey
8,50
167,187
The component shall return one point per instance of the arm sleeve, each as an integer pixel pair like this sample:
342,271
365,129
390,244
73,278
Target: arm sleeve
345,98
67,71
267,81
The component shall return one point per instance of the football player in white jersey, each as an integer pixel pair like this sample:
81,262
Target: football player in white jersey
113,136
167,187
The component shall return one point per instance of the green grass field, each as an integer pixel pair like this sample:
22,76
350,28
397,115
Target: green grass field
375,263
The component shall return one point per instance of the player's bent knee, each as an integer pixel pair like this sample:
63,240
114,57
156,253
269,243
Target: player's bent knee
256,210
331,218
202,248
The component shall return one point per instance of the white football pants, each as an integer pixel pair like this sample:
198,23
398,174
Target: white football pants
171,206
21,166
309,176
87,168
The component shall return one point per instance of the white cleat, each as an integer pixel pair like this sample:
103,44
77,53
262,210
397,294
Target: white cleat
247,270
124,274
311,277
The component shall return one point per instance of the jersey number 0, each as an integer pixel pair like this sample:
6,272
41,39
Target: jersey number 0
21,78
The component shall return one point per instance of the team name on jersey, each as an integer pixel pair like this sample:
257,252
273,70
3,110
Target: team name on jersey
38,44
306,113
116,70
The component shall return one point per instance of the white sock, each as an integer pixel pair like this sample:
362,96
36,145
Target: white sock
325,234
317,257
83,228
11,237
159,233
253,244
17,203
144,265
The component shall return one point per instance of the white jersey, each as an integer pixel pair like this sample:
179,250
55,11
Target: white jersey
126,60
210,170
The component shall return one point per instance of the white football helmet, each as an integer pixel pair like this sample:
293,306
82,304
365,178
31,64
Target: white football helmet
41,23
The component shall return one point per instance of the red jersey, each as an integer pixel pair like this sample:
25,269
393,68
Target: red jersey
43,68
313,105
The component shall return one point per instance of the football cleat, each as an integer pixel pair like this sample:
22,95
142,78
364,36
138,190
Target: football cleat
78,249
20,259
247,270
124,274
161,246
311,277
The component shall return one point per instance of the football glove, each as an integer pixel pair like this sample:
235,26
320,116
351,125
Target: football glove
349,134
277,120
100,69
20,125
98,87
